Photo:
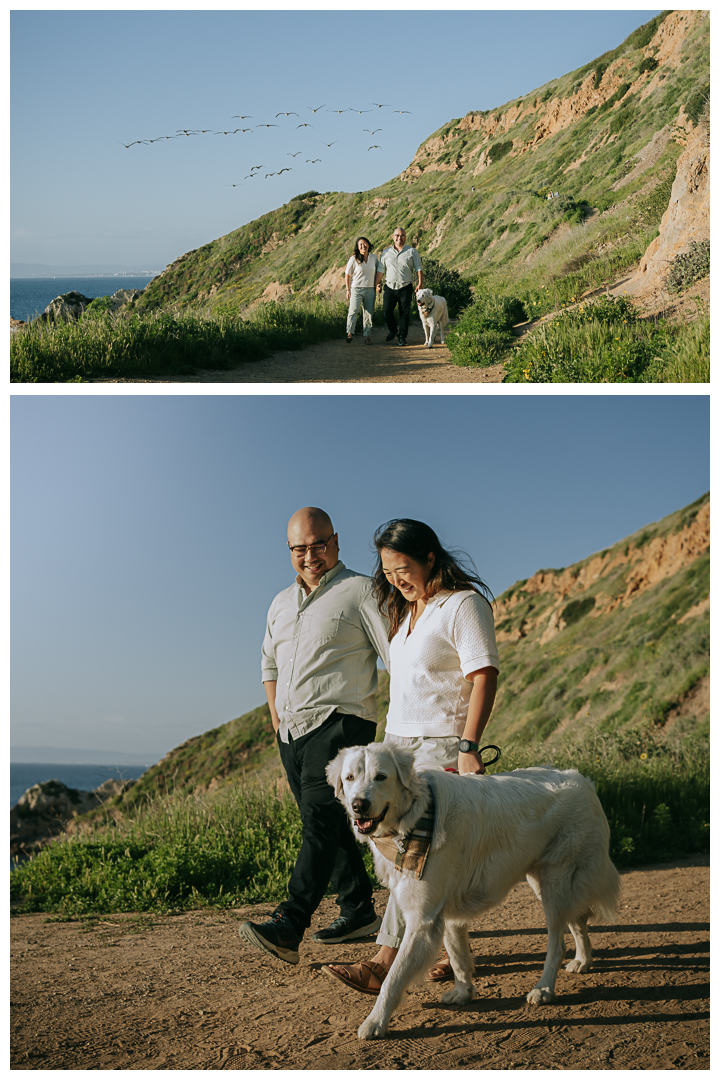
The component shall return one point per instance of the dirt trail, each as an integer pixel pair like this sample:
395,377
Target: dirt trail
184,992
338,362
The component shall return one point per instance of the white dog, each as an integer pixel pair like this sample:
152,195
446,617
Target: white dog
489,833
434,314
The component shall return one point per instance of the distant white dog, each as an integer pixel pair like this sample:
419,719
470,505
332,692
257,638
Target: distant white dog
434,315
489,833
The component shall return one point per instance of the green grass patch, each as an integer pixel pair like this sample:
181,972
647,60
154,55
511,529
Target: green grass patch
180,852
142,344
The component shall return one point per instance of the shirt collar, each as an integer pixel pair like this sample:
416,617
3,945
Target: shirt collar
337,568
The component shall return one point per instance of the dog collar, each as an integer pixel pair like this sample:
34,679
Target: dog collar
409,853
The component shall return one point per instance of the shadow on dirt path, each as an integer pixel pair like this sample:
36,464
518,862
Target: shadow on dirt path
185,992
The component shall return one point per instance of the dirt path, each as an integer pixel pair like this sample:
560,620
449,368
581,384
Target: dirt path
184,992
338,362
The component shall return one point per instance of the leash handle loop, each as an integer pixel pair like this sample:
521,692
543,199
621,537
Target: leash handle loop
490,746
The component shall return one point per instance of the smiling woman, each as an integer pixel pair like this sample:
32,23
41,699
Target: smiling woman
443,678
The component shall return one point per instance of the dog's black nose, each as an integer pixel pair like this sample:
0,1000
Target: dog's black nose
360,806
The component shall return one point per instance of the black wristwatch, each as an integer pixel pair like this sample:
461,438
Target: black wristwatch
467,747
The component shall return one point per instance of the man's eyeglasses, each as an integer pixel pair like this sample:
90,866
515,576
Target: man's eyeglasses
320,548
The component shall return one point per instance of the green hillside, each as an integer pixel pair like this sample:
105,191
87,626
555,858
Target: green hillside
475,195
608,643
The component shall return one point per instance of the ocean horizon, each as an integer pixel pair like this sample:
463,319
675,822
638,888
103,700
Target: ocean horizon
29,296
24,775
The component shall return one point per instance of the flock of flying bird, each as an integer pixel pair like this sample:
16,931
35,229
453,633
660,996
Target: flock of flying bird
254,171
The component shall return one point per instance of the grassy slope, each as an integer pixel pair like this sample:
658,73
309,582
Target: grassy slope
481,218
623,670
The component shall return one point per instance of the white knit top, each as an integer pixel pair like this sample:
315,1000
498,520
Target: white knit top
429,693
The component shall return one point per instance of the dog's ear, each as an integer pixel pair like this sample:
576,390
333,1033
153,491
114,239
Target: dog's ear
334,772
404,763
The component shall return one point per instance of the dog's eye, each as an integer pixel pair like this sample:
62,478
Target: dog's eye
349,776
381,776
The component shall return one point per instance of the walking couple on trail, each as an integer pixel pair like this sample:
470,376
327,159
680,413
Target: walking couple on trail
363,275
427,614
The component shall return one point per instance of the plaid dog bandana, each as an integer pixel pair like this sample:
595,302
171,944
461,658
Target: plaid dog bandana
409,853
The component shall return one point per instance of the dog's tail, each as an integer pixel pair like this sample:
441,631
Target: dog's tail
606,894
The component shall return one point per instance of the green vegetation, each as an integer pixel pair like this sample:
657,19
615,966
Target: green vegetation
142,344
689,267
447,283
484,333
181,852
607,341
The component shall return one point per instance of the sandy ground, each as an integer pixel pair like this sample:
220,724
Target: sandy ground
185,992
338,362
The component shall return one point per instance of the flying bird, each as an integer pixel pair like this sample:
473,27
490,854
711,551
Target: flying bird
401,110
374,147
285,114
339,110
315,110
248,117
137,141
328,144
372,132
267,125
379,106
295,155
251,176
257,167
286,169
305,125
269,174
244,129
313,162
233,185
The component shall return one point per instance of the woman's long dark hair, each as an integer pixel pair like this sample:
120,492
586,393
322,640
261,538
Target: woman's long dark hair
451,569
358,257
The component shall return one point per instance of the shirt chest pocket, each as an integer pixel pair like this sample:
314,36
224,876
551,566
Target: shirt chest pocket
322,627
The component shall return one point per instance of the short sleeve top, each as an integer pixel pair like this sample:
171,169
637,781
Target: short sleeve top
362,274
429,691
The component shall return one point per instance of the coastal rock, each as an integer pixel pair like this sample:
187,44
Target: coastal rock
66,307
124,296
46,810
16,324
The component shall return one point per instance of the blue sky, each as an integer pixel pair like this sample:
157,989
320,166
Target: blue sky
148,532
85,82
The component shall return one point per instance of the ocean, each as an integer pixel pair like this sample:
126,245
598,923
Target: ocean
30,296
82,777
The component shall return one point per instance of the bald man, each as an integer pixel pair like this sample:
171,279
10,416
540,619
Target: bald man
319,667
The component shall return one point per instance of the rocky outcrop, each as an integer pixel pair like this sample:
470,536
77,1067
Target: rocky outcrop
66,307
687,217
46,810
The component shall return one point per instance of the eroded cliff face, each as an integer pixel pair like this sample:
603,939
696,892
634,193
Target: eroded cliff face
643,565
556,114
687,217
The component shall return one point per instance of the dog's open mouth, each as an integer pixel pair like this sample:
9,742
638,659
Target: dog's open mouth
368,825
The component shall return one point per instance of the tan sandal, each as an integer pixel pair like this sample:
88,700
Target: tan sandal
441,971
357,976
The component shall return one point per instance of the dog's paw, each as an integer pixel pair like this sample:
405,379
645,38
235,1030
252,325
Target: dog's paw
540,995
580,966
459,996
371,1029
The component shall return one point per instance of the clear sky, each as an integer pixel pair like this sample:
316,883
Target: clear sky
148,532
85,82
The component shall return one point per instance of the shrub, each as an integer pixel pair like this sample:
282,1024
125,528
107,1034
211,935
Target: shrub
575,610
448,283
690,266
483,334
499,150
648,64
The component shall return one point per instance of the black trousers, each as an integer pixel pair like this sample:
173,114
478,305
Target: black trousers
400,298
329,851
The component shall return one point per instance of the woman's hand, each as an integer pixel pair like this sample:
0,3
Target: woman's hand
470,763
